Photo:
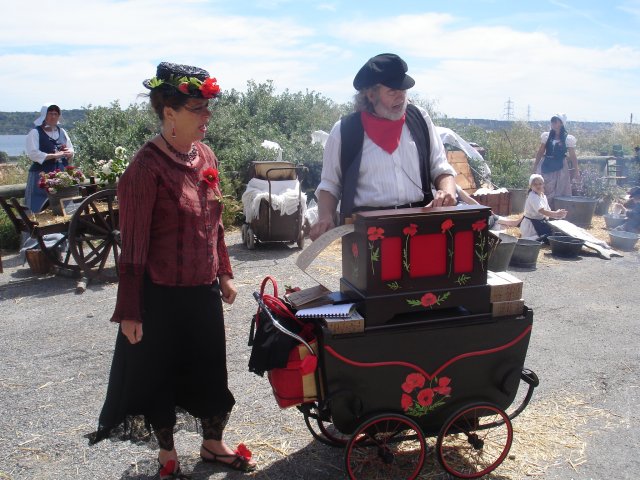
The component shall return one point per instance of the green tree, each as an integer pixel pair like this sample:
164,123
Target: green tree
105,128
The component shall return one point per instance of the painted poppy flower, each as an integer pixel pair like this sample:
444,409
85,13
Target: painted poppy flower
406,402
211,177
425,397
375,233
443,387
209,88
479,225
413,381
446,225
411,230
428,299
354,249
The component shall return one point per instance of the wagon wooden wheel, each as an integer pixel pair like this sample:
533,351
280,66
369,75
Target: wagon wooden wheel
94,233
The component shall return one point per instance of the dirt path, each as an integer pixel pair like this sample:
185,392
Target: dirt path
56,350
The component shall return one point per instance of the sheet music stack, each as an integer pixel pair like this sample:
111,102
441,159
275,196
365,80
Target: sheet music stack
340,318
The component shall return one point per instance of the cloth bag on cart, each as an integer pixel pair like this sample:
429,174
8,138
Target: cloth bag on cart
290,366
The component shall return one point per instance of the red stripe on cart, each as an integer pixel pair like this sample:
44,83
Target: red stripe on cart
478,353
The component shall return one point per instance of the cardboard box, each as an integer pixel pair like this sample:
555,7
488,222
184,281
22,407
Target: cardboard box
511,307
504,287
340,326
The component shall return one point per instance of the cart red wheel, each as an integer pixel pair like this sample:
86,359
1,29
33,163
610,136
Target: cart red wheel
474,441
251,239
94,233
388,446
301,240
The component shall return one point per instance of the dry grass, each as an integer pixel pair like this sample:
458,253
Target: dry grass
548,433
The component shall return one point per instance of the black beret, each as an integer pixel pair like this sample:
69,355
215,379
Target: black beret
388,69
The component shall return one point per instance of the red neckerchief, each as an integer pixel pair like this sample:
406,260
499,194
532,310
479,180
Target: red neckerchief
383,132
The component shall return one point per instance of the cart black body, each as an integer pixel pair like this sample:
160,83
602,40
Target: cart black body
431,359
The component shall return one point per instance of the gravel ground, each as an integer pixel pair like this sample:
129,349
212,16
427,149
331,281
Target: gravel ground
56,349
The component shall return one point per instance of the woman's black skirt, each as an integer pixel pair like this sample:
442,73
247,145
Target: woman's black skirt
179,366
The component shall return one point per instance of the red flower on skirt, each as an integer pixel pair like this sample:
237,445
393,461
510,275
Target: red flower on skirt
354,249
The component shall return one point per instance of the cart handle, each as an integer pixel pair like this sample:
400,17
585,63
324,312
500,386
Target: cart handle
279,326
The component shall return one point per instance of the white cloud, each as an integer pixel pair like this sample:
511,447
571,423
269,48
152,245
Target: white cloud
103,49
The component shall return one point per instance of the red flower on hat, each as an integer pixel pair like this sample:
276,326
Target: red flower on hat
211,177
209,88
184,88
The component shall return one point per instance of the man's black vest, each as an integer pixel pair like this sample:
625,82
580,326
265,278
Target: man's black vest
352,133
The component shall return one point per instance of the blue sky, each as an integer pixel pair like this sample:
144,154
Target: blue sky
469,57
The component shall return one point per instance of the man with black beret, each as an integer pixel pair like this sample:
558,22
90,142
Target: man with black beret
387,154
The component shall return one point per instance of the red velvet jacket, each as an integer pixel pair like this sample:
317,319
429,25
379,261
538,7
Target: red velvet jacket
171,227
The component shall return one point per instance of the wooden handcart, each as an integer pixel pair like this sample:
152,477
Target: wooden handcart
91,233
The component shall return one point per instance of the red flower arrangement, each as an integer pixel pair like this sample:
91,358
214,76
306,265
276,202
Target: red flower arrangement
208,88
417,400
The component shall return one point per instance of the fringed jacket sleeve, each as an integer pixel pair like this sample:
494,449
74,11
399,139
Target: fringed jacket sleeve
136,198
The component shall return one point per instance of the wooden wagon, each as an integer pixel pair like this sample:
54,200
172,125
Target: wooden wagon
87,238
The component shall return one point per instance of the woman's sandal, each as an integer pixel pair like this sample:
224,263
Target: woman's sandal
240,461
171,471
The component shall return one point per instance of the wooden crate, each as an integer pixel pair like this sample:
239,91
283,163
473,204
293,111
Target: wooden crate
500,203
460,163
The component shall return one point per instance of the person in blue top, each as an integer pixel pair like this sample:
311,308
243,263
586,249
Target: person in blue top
556,159
49,147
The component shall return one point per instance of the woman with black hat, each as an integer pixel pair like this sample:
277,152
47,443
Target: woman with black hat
556,159
49,147
174,275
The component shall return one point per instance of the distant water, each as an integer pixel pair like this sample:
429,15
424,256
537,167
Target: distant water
12,144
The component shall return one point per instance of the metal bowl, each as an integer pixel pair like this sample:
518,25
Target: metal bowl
612,220
623,240
565,246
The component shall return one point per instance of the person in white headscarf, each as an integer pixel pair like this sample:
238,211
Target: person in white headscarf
556,159
537,211
49,147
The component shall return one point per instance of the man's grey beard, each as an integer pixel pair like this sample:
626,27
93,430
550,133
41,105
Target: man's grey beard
384,112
